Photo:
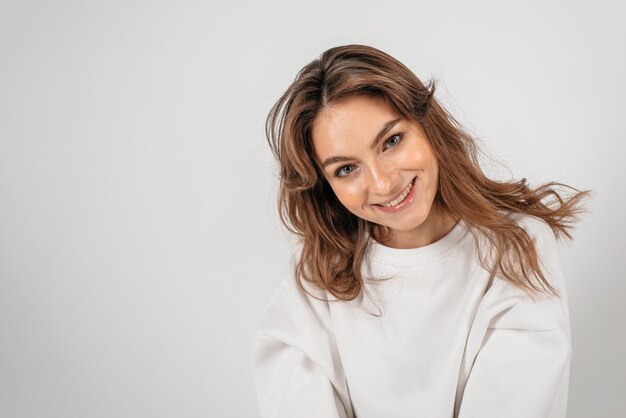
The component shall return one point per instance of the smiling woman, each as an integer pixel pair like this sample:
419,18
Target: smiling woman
420,284
391,182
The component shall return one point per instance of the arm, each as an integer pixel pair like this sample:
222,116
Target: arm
296,365
519,373
518,354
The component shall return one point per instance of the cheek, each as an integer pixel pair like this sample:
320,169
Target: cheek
432,161
420,153
348,195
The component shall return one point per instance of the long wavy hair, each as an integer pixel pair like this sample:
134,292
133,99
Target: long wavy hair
334,241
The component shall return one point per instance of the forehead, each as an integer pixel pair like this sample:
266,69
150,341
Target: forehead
340,127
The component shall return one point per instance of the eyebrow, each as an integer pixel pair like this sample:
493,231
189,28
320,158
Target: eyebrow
380,135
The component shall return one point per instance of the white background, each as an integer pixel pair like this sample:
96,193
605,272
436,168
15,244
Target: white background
139,240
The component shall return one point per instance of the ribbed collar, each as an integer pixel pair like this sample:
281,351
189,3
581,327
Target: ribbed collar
404,257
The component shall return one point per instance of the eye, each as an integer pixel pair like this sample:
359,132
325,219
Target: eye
344,171
393,140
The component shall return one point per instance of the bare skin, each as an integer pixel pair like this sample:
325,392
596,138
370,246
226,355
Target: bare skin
382,169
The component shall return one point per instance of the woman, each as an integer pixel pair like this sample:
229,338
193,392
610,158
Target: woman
421,287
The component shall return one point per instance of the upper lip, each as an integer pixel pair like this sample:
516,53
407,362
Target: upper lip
396,196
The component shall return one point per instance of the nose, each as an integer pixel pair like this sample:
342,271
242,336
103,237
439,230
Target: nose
381,179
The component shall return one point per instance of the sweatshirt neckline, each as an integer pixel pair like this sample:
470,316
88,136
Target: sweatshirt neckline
420,255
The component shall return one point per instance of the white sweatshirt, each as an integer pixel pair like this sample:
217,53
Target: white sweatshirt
448,342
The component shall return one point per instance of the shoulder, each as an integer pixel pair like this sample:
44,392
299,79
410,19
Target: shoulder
542,235
290,297
536,227
294,305
545,312
544,239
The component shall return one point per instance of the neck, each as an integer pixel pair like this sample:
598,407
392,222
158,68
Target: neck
436,226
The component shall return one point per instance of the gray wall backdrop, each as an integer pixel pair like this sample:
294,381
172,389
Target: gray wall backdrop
139,240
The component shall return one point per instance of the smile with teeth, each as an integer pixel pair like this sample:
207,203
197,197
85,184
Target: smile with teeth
399,199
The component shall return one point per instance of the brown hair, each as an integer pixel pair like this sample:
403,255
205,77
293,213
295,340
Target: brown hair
334,240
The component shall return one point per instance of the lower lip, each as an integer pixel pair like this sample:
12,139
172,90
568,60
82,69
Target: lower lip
406,202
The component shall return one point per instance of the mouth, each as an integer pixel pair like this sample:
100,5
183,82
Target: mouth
403,199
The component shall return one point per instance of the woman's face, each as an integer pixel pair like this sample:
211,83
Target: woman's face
380,166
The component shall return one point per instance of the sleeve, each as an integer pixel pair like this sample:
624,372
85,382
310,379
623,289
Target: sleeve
518,353
296,365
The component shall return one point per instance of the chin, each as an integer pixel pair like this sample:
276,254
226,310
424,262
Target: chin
410,224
